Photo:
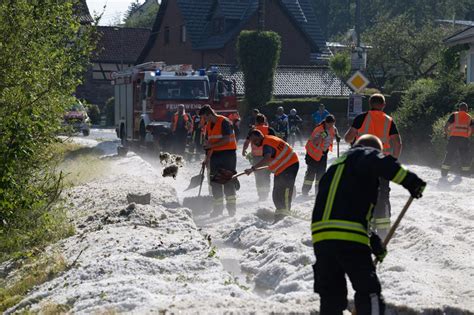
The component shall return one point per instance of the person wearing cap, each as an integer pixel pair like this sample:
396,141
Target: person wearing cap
342,238
181,126
458,128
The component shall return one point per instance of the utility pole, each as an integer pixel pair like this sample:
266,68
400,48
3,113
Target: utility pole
261,15
357,22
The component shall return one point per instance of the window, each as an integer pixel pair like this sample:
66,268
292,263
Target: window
167,35
182,89
183,33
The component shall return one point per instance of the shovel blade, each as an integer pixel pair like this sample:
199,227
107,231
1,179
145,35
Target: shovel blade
195,181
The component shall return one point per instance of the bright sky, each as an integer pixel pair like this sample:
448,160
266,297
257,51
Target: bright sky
114,9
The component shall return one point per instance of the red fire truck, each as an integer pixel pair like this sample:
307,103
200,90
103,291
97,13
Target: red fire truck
147,96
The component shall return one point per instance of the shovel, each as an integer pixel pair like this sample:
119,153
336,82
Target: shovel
197,180
200,205
223,177
396,224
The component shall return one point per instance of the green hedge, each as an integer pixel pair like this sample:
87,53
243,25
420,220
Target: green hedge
258,54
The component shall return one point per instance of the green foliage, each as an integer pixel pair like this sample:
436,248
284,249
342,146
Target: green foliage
402,52
258,54
34,271
142,15
94,113
34,91
337,16
422,108
110,112
340,63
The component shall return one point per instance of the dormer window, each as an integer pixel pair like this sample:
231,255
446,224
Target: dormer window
218,25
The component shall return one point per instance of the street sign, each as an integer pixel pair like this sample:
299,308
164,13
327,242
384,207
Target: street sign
354,106
358,81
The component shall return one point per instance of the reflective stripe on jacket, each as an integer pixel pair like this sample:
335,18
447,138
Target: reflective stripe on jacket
284,156
258,151
348,192
461,126
378,123
214,135
316,152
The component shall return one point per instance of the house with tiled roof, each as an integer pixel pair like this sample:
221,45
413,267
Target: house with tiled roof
464,37
117,48
82,11
204,32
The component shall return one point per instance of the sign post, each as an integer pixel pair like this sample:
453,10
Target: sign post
354,106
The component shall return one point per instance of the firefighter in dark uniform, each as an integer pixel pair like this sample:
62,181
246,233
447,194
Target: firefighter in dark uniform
262,178
181,125
283,162
222,145
459,129
376,122
340,226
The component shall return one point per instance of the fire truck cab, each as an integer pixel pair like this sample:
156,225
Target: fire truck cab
147,96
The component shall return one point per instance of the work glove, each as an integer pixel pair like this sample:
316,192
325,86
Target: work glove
414,185
378,249
338,139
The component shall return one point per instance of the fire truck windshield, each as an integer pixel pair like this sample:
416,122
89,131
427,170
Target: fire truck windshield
182,89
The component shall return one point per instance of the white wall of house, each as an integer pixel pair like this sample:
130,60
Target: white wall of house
470,64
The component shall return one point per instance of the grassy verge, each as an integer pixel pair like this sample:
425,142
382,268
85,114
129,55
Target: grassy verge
32,271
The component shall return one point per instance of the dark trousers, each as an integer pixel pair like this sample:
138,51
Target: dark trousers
315,169
179,141
335,259
223,160
457,146
283,185
383,209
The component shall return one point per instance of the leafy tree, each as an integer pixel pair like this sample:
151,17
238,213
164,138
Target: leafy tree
337,16
258,53
341,65
402,53
142,15
43,53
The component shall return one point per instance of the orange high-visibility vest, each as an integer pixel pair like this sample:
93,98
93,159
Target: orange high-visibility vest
214,134
461,126
175,121
284,157
316,151
378,123
258,151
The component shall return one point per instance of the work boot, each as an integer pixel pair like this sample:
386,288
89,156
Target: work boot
278,218
444,173
216,212
231,205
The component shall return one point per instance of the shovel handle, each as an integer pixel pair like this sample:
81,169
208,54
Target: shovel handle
243,173
395,225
